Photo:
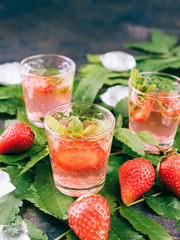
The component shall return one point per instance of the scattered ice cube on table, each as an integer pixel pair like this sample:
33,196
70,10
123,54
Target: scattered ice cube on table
114,94
118,61
10,73
14,231
5,185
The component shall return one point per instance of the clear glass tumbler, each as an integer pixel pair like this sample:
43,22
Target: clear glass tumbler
47,82
157,112
79,160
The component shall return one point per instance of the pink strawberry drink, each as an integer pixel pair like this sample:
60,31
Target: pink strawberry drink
79,138
157,112
47,82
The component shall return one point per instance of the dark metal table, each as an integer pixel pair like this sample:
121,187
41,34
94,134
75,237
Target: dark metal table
74,28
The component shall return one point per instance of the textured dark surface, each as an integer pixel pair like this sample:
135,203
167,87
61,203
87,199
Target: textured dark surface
74,28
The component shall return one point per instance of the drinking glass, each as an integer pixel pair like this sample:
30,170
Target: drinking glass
157,112
47,82
79,162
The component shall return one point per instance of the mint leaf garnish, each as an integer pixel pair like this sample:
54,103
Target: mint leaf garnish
56,126
96,129
75,127
139,82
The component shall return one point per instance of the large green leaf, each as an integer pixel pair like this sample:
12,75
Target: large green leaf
130,139
90,85
144,225
34,159
48,198
11,91
10,203
10,105
34,232
168,207
120,230
13,158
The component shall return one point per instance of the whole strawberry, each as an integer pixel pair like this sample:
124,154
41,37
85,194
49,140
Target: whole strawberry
17,138
169,174
136,177
89,217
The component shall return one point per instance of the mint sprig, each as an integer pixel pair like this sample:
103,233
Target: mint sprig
139,82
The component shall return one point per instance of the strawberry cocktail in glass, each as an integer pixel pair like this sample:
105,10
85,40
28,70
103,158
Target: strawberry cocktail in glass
47,82
79,137
154,106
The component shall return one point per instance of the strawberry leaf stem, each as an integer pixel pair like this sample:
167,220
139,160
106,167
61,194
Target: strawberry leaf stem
63,235
139,200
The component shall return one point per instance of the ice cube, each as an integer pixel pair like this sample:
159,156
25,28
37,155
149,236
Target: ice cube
14,231
10,73
5,185
114,94
118,61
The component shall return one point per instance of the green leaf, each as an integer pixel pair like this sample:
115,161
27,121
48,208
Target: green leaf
40,134
122,107
130,139
10,203
94,58
10,105
147,137
35,159
90,85
34,232
56,126
72,236
159,64
168,207
138,82
116,81
178,223
168,41
122,230
9,122
111,192
144,225
11,91
11,159
153,158
75,126
48,198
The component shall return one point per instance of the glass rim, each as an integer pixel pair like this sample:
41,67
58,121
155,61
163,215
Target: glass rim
148,94
71,68
111,117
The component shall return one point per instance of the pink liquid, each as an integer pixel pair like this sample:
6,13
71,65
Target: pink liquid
160,122
85,179
39,99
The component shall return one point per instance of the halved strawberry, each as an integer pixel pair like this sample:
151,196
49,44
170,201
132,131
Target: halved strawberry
39,84
79,157
143,112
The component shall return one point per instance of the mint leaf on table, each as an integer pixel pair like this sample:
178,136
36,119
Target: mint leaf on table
144,225
90,85
127,137
10,105
122,107
35,159
11,91
151,157
121,230
14,158
168,207
93,58
147,137
161,43
46,196
40,134
72,236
